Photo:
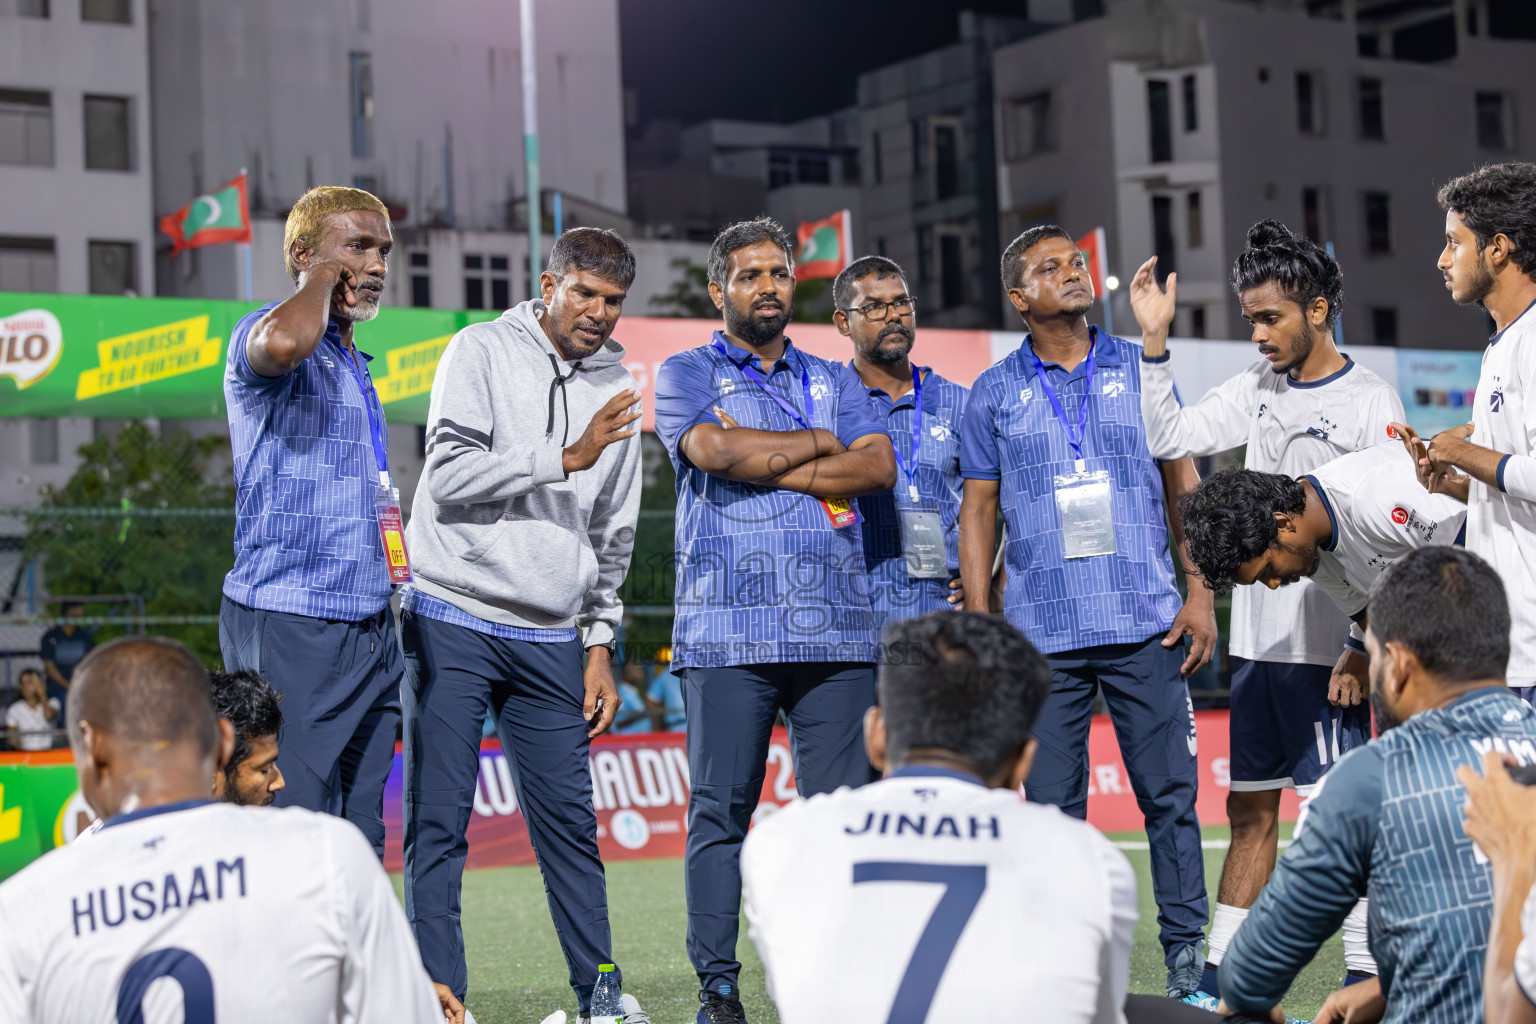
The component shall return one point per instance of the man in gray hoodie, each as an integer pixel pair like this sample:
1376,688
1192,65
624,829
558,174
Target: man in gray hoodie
520,534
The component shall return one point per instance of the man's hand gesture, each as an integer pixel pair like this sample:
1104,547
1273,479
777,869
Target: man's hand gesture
1154,307
606,427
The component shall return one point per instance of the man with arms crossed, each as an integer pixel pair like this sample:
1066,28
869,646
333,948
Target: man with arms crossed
1054,433
771,445
1303,404
1490,259
1387,819
911,534
250,914
307,602
522,530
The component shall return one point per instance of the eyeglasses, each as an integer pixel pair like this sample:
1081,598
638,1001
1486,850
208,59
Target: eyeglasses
876,310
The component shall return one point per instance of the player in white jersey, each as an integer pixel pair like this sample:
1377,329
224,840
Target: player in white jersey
1303,404
1490,259
937,891
185,909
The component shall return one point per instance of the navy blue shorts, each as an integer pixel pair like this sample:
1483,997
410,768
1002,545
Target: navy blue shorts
1284,732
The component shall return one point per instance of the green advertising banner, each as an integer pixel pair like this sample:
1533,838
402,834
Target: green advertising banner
34,799
124,358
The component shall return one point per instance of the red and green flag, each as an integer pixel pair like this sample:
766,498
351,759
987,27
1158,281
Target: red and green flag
826,247
212,219
1095,252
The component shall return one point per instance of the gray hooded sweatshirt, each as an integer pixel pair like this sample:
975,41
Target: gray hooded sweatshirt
497,529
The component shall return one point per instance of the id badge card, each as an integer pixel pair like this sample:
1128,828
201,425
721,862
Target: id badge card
1087,514
922,544
842,511
386,505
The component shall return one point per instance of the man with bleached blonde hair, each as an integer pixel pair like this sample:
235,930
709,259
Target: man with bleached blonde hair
318,538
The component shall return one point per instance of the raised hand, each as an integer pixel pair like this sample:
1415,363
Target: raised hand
605,428
1154,307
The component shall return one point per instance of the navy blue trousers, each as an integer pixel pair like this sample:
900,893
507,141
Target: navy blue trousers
536,691
340,683
731,712
1155,726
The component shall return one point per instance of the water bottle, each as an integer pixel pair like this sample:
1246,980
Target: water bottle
607,1005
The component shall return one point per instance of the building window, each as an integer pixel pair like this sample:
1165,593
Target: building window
1194,221
1159,121
1372,114
26,128
367,182
1312,215
946,160
501,284
32,8
362,104
1378,222
919,145
118,12
1309,103
112,270
421,279
1493,121
43,440
781,170
474,282
1191,106
814,170
880,247
1027,126
877,165
1384,325
1197,322
108,134
951,271
924,253
27,265
1162,235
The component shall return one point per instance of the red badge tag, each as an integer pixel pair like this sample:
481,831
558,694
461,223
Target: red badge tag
842,511
392,533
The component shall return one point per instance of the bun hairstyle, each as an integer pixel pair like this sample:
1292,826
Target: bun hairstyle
1302,268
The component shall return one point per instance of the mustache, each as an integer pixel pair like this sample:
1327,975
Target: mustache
893,331
372,284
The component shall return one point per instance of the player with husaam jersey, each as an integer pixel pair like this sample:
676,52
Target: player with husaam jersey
937,894
1304,404
180,908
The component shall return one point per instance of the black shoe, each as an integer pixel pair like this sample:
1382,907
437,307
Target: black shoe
719,1009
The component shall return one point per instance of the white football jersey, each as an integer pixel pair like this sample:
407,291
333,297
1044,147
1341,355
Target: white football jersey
1525,953
962,902
1380,512
1501,521
209,912
1290,428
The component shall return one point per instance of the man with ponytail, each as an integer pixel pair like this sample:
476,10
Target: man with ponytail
1299,677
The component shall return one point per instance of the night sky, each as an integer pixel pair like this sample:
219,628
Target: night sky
780,60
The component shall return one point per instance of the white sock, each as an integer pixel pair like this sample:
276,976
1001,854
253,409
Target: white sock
1223,927
1357,947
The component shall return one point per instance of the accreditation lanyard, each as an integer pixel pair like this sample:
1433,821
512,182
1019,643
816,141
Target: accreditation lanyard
1075,439
909,469
386,500
756,377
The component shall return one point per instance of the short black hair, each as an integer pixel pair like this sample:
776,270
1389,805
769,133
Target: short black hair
1229,519
1302,268
144,690
962,682
1495,199
252,707
29,671
1013,256
596,251
858,270
68,606
743,233
1447,606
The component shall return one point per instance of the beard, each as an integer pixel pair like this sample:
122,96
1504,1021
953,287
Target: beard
1302,344
890,354
367,305
1479,286
756,330
1385,718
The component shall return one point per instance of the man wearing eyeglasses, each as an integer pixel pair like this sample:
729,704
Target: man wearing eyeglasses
911,532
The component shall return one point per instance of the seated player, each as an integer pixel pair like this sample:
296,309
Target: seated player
182,908
250,776
1341,525
1388,820
937,890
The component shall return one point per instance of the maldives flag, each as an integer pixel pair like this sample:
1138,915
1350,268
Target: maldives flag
220,216
1093,247
826,247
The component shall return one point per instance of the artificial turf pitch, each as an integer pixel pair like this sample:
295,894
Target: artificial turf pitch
517,975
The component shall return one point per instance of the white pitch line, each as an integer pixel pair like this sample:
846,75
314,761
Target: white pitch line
1205,844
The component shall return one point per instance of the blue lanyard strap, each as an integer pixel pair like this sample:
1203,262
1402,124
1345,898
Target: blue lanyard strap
1075,440
375,428
917,434
757,378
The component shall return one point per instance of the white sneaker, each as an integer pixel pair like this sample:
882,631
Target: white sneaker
632,1012
558,1017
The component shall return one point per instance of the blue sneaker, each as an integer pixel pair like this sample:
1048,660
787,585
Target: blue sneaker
1204,1000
